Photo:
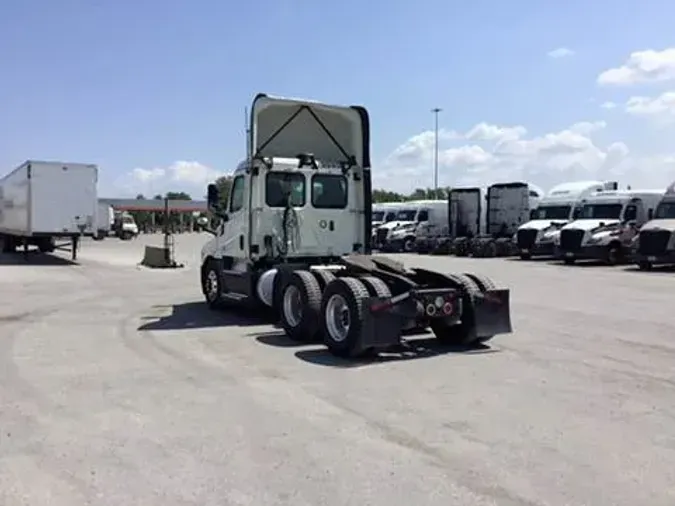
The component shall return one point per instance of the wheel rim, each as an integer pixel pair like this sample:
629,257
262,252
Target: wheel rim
338,318
408,245
292,306
212,285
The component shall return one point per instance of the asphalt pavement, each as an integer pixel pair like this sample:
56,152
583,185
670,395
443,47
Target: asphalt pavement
118,387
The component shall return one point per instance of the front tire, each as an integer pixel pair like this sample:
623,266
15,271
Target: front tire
613,255
212,285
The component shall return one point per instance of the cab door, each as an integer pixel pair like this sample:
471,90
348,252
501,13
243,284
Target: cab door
234,239
634,215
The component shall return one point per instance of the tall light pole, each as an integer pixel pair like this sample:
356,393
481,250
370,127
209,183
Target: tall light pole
436,110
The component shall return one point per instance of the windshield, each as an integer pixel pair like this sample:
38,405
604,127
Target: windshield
552,212
601,212
127,219
406,215
378,215
665,210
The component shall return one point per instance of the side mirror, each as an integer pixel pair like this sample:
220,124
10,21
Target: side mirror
203,225
212,196
650,214
533,214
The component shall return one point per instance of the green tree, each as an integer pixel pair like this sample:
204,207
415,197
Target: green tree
224,184
177,196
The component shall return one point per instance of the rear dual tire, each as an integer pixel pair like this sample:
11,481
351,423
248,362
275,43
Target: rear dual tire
314,304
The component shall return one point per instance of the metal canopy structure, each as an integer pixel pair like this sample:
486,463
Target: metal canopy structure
153,205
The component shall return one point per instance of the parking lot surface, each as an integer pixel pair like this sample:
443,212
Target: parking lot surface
118,387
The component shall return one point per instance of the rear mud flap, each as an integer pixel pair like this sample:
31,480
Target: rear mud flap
493,313
382,329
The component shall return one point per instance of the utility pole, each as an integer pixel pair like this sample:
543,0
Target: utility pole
435,111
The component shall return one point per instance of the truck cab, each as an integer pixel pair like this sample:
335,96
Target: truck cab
384,213
608,223
561,205
424,218
303,193
294,237
408,215
655,244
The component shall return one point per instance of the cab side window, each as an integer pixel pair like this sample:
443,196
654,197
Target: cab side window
237,194
423,215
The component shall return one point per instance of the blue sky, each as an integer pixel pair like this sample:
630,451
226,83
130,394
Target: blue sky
148,84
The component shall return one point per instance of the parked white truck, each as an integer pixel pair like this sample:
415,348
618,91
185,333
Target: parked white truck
125,226
43,202
561,205
105,218
655,243
399,234
385,212
295,239
429,220
509,205
607,225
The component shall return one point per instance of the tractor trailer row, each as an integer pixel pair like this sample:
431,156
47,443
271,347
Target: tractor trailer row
573,221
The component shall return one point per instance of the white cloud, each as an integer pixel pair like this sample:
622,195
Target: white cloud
642,67
486,132
188,176
566,155
587,127
608,105
660,108
560,52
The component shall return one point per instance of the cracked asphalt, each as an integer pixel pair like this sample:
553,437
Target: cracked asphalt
118,387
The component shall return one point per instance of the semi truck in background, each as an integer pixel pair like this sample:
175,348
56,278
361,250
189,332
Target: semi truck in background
608,224
561,205
383,213
428,215
124,226
105,219
655,243
508,206
42,203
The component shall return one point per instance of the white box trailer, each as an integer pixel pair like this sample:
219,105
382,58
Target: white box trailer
105,218
42,202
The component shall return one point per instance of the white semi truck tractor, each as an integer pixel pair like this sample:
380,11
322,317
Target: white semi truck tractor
608,224
561,205
295,238
655,244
